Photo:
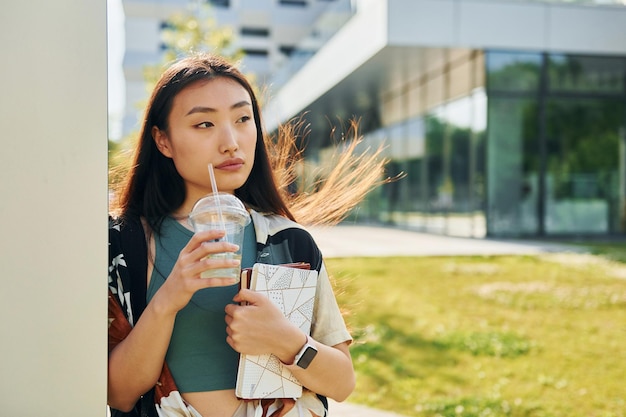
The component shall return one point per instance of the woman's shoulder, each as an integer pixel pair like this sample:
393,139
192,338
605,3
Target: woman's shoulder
283,236
272,224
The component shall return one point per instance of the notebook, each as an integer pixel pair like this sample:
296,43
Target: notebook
292,288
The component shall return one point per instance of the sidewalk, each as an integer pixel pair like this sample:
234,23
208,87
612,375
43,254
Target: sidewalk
346,409
372,241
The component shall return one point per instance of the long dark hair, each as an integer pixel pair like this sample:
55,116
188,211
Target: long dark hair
153,187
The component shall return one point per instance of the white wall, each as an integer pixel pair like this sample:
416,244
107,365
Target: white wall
53,207
492,24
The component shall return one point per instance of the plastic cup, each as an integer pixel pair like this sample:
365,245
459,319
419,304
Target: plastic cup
205,215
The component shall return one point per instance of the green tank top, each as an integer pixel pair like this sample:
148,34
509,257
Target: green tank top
198,355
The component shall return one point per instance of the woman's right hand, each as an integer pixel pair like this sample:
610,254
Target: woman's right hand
184,280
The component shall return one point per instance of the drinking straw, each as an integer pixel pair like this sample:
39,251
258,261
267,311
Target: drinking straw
216,197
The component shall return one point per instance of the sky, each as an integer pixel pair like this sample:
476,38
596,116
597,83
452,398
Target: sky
116,85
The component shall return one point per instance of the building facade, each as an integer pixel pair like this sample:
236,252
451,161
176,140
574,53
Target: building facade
508,118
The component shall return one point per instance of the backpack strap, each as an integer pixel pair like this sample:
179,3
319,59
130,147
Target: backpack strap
135,250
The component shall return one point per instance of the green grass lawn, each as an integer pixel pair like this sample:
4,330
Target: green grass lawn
540,336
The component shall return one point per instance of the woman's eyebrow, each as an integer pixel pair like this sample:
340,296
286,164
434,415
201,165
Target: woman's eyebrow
203,109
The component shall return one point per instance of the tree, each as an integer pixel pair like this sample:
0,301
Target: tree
193,30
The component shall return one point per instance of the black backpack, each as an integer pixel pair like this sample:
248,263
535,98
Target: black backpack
135,250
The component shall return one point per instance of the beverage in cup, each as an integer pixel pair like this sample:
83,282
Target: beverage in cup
221,211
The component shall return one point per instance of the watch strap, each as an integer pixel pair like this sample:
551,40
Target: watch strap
306,354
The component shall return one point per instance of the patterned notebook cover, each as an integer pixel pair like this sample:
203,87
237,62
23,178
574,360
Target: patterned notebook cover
293,291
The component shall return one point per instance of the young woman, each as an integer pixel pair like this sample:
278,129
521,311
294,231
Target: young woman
203,111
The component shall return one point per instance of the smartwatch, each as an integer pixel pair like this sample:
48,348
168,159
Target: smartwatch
305,356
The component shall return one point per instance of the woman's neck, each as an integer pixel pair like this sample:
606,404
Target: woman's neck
181,215
192,196
182,212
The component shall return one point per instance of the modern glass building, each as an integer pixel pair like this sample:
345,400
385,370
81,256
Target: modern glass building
508,118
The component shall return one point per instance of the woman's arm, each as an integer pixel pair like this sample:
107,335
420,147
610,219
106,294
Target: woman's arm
330,373
136,362
260,327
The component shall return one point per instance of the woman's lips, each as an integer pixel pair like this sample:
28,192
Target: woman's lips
231,164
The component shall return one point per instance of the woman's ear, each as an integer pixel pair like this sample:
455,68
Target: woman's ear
162,142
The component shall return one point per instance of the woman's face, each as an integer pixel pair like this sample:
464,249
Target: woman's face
210,122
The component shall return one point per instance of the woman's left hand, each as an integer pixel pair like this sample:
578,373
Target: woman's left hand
260,327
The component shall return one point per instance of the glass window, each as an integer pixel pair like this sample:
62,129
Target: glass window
582,194
255,52
252,31
512,167
166,24
438,191
219,3
435,91
287,49
301,3
391,199
439,197
414,176
586,74
477,162
511,71
415,138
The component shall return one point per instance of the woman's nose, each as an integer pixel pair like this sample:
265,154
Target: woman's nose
228,141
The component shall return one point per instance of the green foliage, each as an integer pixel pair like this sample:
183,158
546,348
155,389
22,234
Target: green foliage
527,336
189,31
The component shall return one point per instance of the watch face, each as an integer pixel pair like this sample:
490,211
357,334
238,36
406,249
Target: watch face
307,357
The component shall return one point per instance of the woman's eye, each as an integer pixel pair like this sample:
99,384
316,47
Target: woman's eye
204,125
244,119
